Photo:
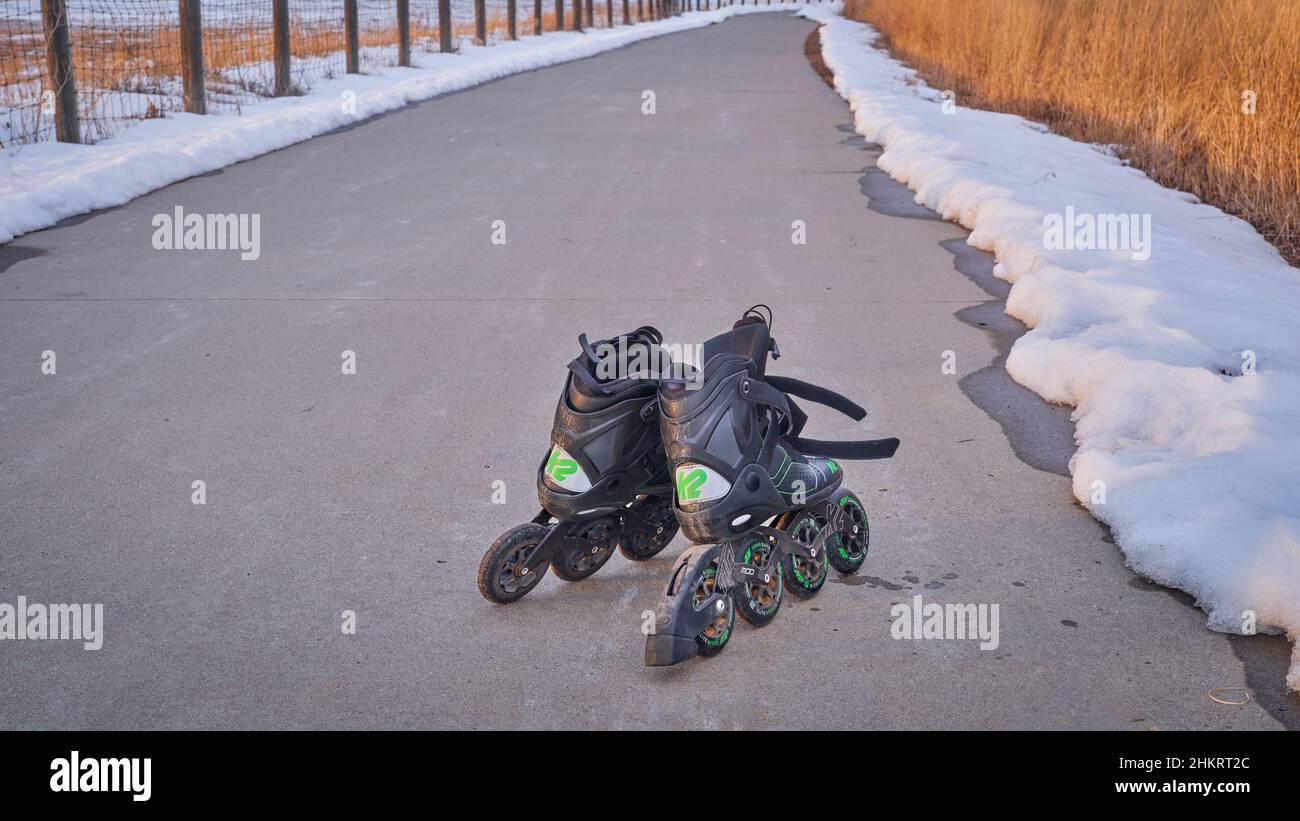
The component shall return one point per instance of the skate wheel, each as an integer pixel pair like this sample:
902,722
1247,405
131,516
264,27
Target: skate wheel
847,546
758,599
500,576
715,636
640,546
579,563
803,577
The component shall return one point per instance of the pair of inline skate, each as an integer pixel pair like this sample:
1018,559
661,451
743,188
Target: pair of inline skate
643,446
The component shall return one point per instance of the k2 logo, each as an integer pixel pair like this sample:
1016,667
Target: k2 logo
689,483
559,467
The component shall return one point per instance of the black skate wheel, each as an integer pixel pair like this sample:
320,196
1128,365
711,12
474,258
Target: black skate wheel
803,577
847,546
759,600
579,563
499,573
639,546
715,636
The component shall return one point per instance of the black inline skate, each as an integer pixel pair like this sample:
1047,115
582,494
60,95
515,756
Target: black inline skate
605,481
734,445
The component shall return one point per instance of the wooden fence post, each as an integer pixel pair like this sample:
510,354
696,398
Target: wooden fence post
559,15
403,31
444,26
577,15
280,44
609,14
537,16
591,14
58,60
354,38
191,34
512,11
627,12
480,22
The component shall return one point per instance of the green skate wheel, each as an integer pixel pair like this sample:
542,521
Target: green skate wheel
803,577
715,636
847,546
500,576
759,599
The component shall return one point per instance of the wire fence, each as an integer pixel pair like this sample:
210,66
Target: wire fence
26,112
123,61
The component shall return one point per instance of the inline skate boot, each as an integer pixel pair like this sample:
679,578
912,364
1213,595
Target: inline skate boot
604,483
765,515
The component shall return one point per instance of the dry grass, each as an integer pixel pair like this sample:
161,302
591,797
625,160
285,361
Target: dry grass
812,49
1163,79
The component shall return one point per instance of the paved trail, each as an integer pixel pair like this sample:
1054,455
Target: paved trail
372,492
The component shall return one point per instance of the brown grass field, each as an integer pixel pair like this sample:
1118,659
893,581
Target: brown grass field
1164,79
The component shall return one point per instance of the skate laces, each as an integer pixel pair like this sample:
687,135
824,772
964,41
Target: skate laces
589,365
753,314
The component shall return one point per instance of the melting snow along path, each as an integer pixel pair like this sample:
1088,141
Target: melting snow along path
1178,348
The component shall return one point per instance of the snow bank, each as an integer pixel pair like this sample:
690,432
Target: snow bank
1199,456
44,183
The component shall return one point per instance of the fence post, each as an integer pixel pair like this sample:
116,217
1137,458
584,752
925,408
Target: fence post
537,16
403,32
191,34
480,22
58,59
591,14
444,26
512,11
627,13
609,14
577,15
354,39
280,44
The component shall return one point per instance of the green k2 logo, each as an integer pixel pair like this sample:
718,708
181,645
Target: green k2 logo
559,467
689,484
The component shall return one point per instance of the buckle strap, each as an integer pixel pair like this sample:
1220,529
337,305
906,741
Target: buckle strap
773,394
858,449
820,395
